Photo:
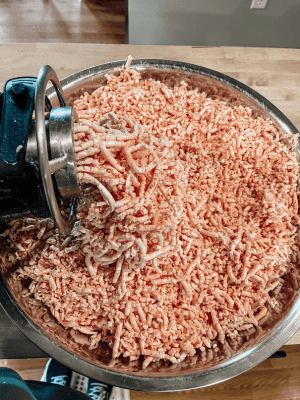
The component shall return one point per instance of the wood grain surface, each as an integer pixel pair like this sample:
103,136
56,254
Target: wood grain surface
72,21
274,73
27,368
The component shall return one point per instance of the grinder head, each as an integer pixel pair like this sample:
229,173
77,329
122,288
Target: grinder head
37,159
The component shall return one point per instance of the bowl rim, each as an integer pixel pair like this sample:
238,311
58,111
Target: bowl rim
236,365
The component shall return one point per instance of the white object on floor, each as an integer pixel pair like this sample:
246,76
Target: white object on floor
119,394
44,376
259,4
79,382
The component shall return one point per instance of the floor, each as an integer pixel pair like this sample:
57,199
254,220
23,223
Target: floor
73,21
88,21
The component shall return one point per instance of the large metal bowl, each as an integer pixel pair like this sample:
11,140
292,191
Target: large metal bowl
194,372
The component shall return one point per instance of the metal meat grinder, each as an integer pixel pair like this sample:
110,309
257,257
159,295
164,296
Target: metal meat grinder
37,159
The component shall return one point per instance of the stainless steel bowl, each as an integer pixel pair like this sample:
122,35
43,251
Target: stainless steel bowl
195,372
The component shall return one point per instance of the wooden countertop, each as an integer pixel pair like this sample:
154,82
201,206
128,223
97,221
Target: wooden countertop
274,73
